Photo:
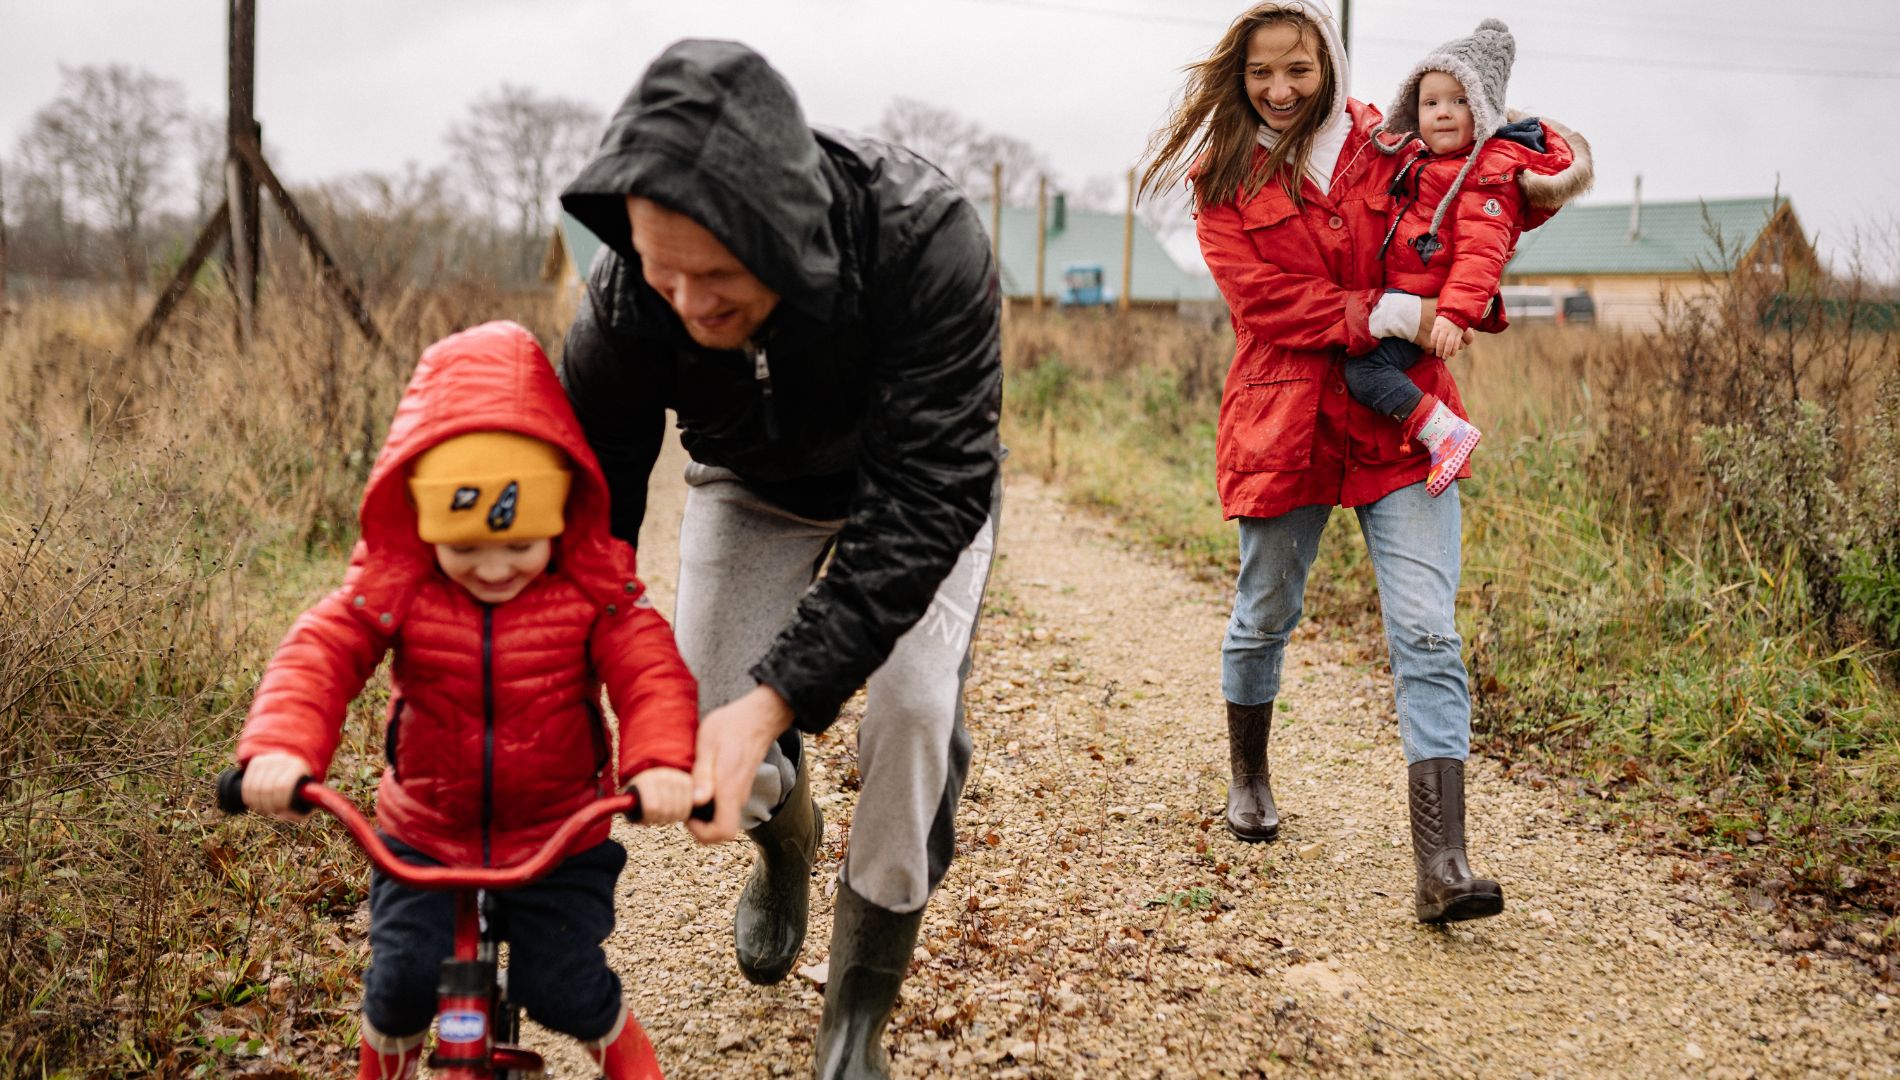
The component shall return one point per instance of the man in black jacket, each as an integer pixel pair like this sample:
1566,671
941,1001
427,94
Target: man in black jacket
821,311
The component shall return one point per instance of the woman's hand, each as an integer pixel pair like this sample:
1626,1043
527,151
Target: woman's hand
269,781
666,795
1448,338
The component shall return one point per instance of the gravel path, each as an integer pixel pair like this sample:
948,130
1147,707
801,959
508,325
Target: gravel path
1099,921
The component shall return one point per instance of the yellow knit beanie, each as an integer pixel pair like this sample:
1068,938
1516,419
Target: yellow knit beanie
489,485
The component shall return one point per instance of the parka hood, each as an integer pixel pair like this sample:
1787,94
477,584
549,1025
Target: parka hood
493,377
713,132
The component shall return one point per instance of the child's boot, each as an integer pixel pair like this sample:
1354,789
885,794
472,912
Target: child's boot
625,1052
386,1057
1450,439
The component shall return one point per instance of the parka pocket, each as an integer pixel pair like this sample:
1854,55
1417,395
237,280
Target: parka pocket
1274,419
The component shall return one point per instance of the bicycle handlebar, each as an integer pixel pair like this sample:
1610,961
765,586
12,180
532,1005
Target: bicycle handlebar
310,795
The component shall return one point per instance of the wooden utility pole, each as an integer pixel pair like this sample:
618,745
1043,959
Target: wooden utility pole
240,186
1128,246
1042,237
236,220
1345,26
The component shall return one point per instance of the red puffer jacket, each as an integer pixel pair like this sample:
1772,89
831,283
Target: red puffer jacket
1300,283
1481,229
495,730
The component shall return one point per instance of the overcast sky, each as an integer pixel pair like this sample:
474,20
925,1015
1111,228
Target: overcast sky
1704,98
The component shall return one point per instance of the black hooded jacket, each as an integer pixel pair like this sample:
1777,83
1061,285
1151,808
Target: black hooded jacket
883,379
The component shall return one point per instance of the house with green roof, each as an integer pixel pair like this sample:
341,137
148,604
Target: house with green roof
1089,238
1634,258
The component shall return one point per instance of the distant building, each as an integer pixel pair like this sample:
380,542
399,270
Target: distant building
1090,238
1077,238
1629,256
571,249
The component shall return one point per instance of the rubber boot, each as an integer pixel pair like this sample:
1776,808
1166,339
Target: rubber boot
870,953
385,1057
769,927
624,1053
1251,815
1446,890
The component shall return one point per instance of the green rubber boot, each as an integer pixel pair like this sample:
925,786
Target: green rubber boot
768,929
870,954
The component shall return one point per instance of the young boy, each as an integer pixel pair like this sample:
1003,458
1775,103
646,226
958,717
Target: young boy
1474,183
487,568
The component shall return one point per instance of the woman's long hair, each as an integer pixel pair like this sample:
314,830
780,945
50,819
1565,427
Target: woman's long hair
1217,126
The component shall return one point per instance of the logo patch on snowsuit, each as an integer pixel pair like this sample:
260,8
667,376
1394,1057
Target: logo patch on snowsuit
502,514
1493,207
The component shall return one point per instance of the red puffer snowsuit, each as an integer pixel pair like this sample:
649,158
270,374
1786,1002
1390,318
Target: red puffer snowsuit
1300,282
1480,230
495,731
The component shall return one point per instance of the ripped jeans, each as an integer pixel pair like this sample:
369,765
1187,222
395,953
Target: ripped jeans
1415,545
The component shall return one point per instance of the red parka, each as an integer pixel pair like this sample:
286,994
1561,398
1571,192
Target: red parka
1481,228
1300,283
495,731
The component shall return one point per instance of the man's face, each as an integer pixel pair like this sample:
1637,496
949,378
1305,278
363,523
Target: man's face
719,300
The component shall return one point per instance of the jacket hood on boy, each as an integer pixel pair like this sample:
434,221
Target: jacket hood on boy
493,377
713,132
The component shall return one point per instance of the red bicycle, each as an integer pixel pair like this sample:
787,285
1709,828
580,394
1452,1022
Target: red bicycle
476,1026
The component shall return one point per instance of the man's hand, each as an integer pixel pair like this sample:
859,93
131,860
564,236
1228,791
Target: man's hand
270,779
1448,338
666,795
733,740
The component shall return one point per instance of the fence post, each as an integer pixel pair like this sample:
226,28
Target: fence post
1128,245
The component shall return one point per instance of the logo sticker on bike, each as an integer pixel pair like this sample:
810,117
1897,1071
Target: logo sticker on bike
461,1027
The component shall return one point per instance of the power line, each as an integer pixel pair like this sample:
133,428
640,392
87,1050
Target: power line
1595,58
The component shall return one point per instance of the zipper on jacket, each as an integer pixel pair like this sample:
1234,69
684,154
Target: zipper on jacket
488,732
762,374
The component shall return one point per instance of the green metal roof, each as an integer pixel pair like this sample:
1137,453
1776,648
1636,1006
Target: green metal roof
1090,236
581,243
1674,238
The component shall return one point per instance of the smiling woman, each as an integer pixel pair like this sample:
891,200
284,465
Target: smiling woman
1292,206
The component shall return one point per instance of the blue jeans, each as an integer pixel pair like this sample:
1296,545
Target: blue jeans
1415,545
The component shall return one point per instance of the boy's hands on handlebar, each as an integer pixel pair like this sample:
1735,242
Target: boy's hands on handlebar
269,781
666,795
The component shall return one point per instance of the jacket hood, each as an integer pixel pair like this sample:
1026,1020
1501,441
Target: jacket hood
713,132
493,377
1553,179
1322,16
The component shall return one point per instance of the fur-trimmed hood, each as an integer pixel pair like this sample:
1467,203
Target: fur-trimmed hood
1551,191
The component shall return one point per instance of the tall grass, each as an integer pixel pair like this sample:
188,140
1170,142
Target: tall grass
1679,582
164,514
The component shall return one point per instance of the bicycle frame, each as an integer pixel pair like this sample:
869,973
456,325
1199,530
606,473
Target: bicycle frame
470,1002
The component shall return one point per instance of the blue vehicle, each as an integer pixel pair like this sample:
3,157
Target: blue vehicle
1082,286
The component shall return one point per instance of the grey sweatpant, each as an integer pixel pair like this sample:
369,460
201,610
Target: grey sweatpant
744,565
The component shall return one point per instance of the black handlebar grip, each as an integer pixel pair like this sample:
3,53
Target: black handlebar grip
702,812
231,790
231,793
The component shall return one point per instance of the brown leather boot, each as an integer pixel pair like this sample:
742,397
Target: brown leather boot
1251,815
1446,890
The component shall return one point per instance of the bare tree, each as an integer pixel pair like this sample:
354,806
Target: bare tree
115,124
517,148
205,133
963,149
45,169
